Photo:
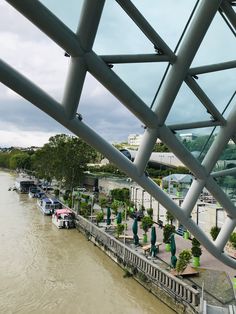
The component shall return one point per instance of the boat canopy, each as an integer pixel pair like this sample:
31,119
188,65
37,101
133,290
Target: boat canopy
63,211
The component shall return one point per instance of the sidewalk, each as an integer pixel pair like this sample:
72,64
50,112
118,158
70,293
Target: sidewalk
213,274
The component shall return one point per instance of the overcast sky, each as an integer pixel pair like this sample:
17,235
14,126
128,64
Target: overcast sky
24,47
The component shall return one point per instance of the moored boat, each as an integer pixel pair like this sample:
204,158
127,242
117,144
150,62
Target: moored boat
23,185
33,191
63,218
48,205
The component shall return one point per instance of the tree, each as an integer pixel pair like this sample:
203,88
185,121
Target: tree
214,232
183,261
146,223
64,158
20,160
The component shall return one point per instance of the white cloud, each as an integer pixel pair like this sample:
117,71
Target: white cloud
16,137
28,50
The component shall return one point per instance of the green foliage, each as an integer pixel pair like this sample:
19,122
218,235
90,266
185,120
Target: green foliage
167,231
169,217
56,192
146,223
160,147
115,205
150,212
232,239
20,160
196,251
120,229
103,201
99,217
183,261
195,242
63,158
198,143
214,232
122,195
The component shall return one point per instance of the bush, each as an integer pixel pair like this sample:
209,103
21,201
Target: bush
146,223
196,251
232,239
214,232
99,217
195,242
150,212
183,261
167,231
120,229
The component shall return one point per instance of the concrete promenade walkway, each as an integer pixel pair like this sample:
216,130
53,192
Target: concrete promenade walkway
216,276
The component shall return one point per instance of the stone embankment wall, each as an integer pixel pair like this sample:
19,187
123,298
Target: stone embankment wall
178,295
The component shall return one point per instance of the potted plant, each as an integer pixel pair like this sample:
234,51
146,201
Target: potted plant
150,212
214,232
99,217
119,229
146,223
183,261
186,235
196,252
167,231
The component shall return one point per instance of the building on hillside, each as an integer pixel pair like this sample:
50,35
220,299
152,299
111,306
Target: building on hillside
134,139
187,136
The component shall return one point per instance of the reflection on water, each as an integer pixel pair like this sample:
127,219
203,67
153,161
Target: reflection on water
46,270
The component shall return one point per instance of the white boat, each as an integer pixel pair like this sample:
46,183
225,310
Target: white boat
23,185
48,205
63,218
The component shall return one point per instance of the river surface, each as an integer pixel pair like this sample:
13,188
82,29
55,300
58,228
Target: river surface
45,270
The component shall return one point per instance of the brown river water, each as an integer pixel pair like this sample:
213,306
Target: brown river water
45,270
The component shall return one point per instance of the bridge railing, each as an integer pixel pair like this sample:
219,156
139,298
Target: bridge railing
162,278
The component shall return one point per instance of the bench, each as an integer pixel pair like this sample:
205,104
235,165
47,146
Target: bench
128,237
147,248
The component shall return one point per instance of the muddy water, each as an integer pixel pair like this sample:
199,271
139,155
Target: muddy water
46,270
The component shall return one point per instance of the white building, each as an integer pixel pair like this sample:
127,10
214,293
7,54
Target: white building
187,136
134,139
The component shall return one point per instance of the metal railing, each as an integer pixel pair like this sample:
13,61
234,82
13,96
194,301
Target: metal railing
160,277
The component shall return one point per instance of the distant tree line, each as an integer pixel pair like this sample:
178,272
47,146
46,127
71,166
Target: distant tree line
64,158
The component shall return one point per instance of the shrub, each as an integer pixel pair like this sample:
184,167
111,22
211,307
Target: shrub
146,223
196,251
195,242
232,239
120,229
167,231
183,261
214,232
150,212
99,217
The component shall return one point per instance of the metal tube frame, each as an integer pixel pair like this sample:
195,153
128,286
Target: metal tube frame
79,46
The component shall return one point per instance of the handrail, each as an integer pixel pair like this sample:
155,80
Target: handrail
153,272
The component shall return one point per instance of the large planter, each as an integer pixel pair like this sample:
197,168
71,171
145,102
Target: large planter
186,235
145,238
196,261
168,247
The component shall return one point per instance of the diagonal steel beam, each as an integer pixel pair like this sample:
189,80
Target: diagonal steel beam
145,27
87,29
135,58
212,68
120,90
204,99
193,125
229,12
